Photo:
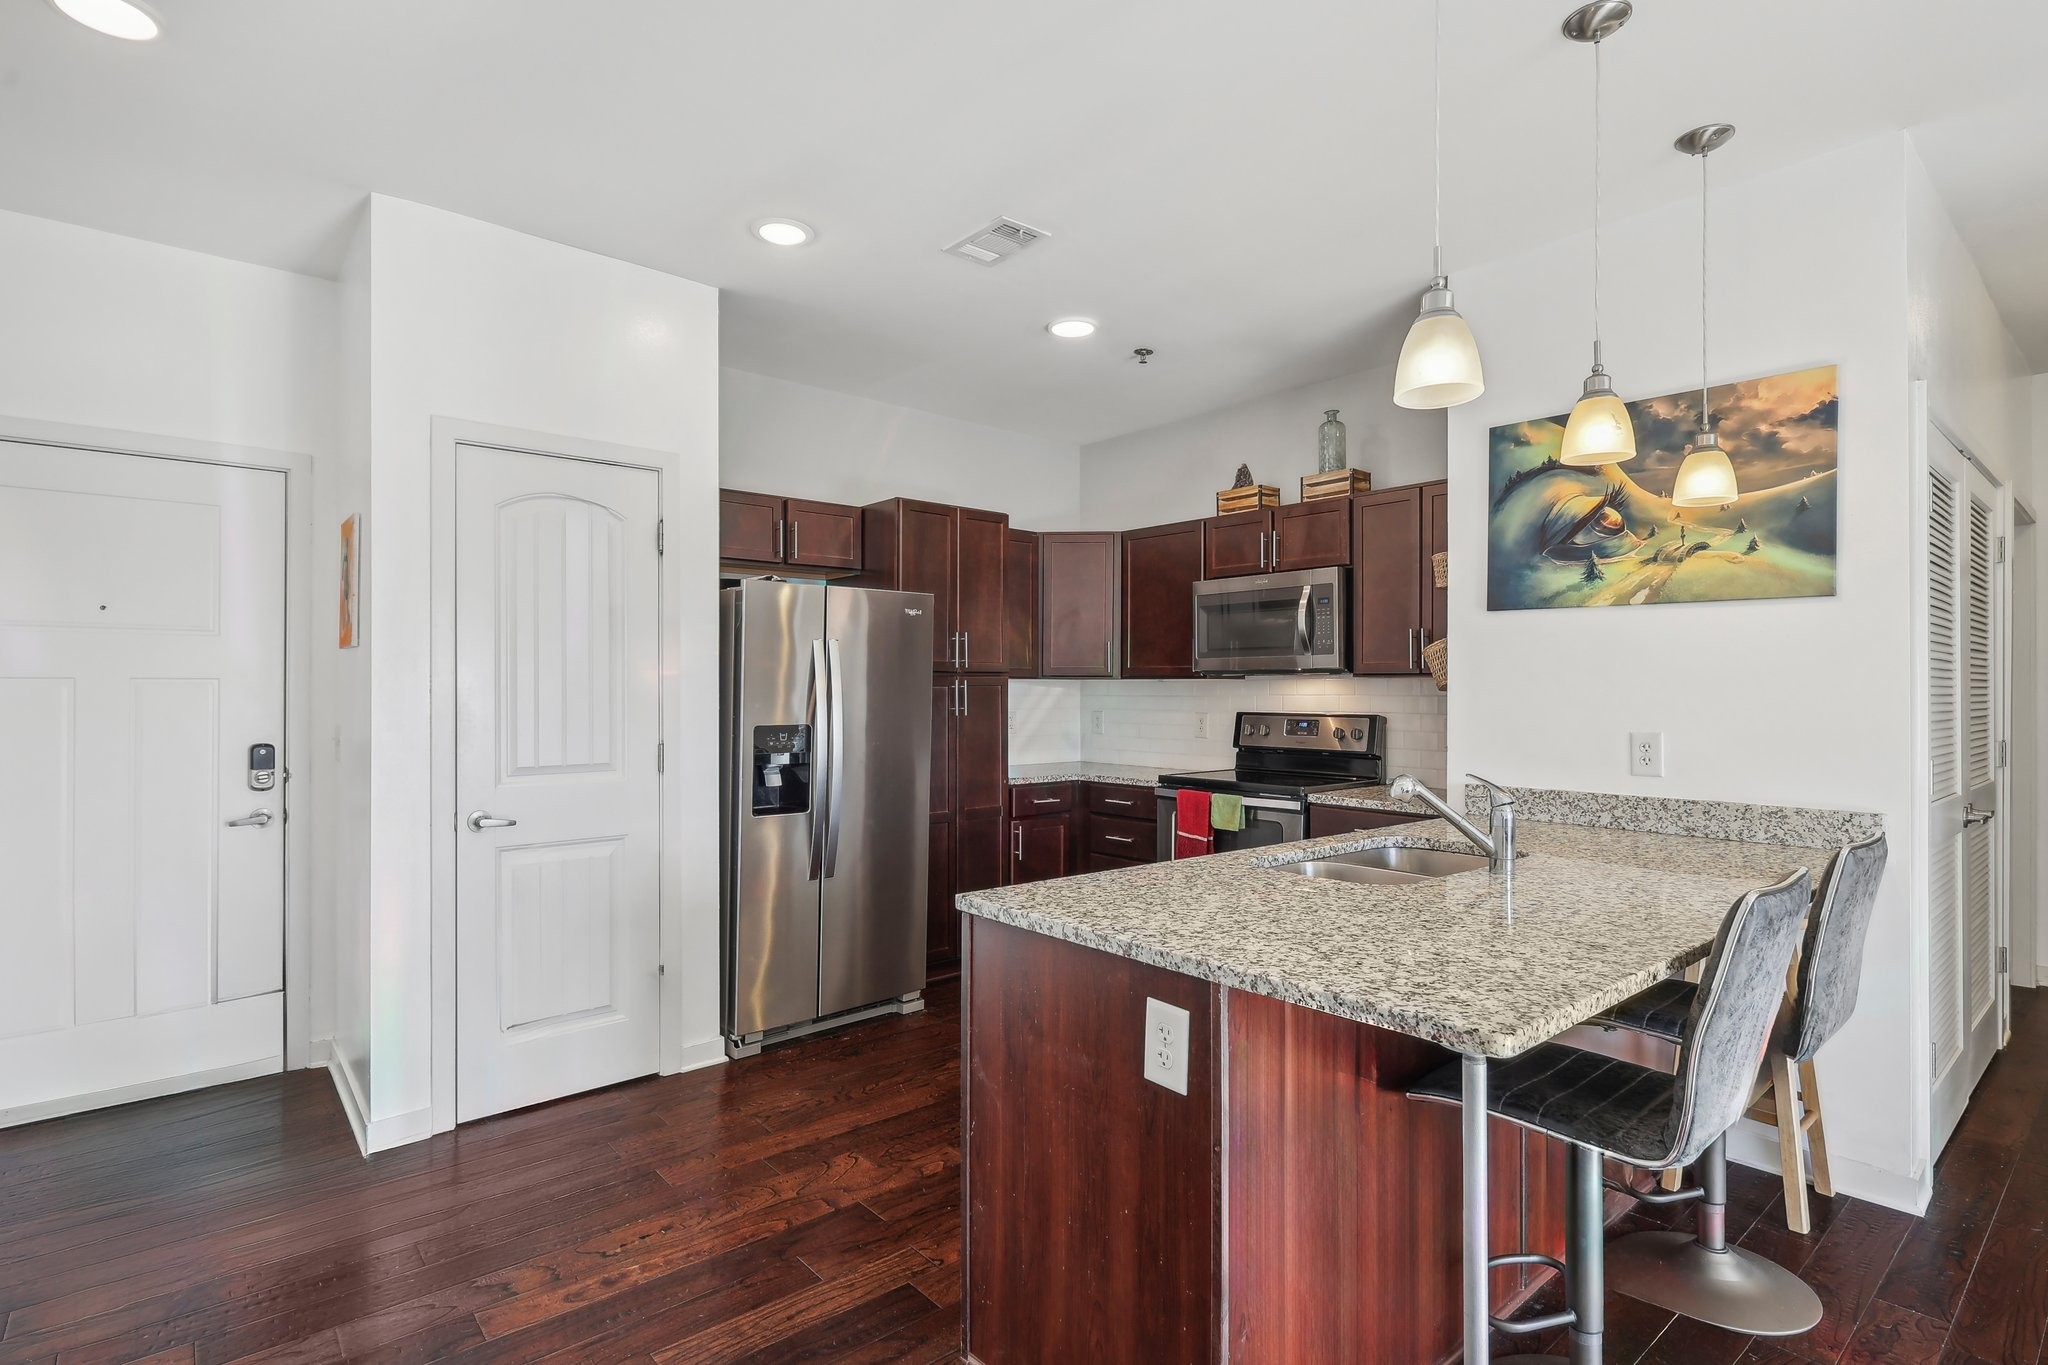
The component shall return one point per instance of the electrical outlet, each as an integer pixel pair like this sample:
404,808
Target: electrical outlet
1094,722
1166,1045
1646,753
1201,725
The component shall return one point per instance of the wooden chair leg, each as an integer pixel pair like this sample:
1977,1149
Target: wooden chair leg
1816,1129
1672,1179
1791,1151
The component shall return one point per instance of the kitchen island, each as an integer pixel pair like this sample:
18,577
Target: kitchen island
1293,1204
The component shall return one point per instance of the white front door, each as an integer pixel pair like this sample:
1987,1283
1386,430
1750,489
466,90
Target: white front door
558,687
141,879
1966,892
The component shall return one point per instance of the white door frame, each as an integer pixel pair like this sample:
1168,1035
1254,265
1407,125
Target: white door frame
448,433
1928,1144
299,600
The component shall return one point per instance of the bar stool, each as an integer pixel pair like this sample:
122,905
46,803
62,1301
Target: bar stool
1603,1106
1698,1274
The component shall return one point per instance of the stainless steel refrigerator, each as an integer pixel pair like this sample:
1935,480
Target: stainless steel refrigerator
826,725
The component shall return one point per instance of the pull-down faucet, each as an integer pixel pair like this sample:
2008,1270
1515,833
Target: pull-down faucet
1498,843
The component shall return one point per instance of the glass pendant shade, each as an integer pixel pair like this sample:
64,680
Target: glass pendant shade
1439,366
1599,430
1705,478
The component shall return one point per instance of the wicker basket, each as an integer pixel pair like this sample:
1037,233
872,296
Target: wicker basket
1440,562
1437,655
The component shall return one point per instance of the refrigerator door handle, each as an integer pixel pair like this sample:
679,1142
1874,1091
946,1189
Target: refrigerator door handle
821,742
836,739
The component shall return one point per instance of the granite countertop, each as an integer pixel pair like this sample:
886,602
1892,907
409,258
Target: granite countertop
1119,774
1469,961
1368,798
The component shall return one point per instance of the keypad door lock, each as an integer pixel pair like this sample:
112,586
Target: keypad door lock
262,767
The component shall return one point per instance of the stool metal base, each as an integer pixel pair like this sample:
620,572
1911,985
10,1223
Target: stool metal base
1731,1288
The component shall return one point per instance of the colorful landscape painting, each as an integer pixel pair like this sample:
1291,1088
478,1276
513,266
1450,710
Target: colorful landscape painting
1609,536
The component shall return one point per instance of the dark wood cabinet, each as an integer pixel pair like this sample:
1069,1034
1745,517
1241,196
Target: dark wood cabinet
1238,544
1160,567
969,799
1041,798
1119,826
945,714
822,535
958,555
1134,841
1040,848
758,528
981,781
749,527
1020,616
1386,584
1312,535
1327,820
941,918
1436,539
978,853
984,539
1078,604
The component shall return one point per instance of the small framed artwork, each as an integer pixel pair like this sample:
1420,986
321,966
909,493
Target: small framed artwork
351,632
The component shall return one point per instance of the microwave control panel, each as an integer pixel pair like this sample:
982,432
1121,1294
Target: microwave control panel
1324,626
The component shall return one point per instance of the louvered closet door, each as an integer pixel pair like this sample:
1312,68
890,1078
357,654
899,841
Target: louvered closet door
1966,863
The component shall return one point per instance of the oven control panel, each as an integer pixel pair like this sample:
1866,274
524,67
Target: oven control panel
1363,734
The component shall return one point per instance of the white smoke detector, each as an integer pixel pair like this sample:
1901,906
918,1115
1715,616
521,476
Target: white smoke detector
996,243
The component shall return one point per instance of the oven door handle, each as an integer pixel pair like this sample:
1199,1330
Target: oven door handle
1250,802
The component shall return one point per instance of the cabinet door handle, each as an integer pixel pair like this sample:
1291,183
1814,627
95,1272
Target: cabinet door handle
1117,801
966,650
1045,800
1411,649
1108,663
1262,549
778,538
1276,547
1017,839
794,527
1120,838
966,701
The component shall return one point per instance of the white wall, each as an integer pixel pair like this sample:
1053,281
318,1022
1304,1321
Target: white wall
2037,701
109,332
1805,702
799,441
1171,472
478,323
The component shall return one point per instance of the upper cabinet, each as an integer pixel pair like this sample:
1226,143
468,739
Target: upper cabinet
1020,585
1079,605
756,528
1301,535
1160,567
958,555
1396,606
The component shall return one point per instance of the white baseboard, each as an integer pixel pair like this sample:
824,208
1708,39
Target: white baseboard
697,1056
1755,1145
142,1090
398,1130
353,1102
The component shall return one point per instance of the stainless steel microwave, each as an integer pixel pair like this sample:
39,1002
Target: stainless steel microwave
1271,623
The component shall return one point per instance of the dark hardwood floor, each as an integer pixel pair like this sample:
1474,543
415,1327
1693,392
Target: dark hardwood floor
802,1206
799,1206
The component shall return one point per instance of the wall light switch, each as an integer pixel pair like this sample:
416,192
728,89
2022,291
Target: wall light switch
1646,754
1166,1045
1201,725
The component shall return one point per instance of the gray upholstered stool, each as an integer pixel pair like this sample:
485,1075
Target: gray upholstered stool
1603,1106
1698,1274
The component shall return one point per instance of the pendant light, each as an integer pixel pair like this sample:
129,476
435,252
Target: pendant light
1705,477
1599,431
1439,366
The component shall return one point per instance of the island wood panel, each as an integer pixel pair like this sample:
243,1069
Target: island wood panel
1091,1193
1345,1195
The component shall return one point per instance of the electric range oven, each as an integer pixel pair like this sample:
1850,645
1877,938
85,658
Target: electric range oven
1281,761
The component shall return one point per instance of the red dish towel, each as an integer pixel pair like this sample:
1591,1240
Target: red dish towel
1192,835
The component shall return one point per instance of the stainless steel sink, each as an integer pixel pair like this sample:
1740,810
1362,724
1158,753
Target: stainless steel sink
1390,865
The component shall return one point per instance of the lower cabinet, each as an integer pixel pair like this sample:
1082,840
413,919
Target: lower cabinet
1326,820
1041,848
941,920
1120,826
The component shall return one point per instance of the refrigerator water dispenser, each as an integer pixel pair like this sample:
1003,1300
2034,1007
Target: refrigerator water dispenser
782,769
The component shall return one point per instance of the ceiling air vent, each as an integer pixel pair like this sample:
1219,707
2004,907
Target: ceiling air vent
996,243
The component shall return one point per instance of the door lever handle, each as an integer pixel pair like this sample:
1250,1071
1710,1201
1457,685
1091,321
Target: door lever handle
259,818
479,821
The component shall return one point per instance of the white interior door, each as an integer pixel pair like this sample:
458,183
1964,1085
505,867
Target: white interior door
1966,891
558,687
141,655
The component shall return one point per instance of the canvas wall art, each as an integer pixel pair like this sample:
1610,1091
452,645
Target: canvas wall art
351,627
1609,536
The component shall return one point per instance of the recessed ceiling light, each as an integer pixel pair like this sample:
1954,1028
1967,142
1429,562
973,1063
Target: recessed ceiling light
1071,327
783,231
115,18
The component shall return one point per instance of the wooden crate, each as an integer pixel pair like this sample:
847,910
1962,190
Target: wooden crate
1338,483
1247,499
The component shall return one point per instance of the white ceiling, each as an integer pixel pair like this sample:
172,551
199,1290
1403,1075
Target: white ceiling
1244,188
